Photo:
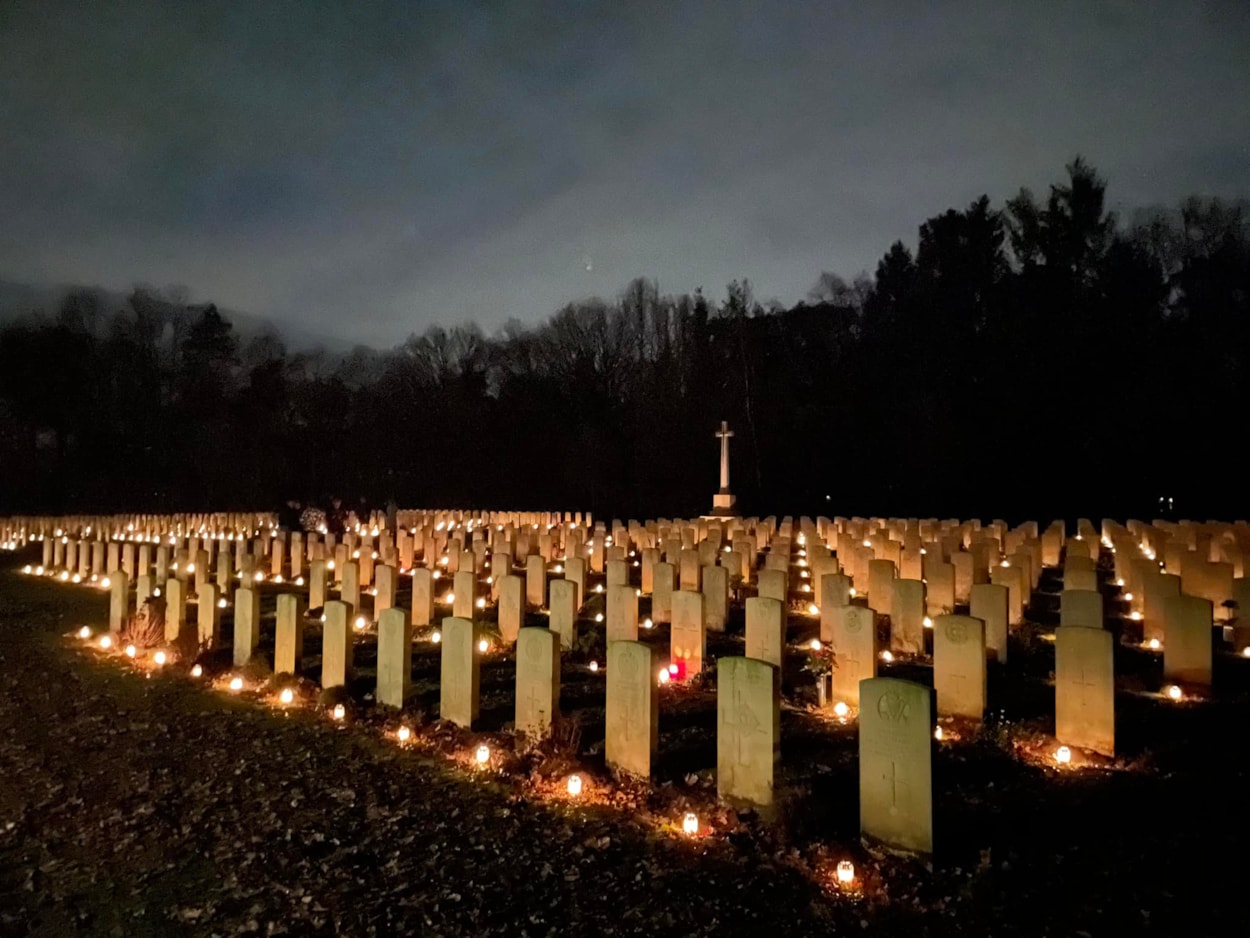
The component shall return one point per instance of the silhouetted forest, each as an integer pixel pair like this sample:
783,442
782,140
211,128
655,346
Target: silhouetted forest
1042,359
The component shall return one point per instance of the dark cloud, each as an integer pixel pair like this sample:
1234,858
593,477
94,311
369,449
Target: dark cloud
368,169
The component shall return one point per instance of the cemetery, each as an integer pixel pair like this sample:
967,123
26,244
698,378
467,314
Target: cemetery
892,722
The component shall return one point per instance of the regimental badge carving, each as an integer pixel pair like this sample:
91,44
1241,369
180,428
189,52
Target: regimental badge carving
854,623
893,708
957,632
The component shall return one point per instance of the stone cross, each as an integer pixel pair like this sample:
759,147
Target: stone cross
723,434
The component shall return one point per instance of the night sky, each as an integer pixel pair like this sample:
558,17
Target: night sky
367,169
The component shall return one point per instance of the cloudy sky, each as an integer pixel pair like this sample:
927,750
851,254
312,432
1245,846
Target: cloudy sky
365,169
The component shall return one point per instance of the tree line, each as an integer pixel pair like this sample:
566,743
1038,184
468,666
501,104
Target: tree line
1041,359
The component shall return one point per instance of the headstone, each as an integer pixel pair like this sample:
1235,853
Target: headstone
317,584
772,584
907,619
460,684
175,609
622,615
854,638
537,681
119,600
208,615
687,635
1085,688
246,624
511,606
835,592
632,728
464,587
288,645
394,657
349,586
959,666
536,581
422,597
748,730
765,630
1187,644
715,597
1013,579
662,593
1080,607
336,644
989,604
881,586
384,582
563,612
896,723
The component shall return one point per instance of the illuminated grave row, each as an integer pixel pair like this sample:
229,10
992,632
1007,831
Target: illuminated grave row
878,591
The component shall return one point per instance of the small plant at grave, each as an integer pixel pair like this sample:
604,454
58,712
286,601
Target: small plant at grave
818,662
146,628
557,752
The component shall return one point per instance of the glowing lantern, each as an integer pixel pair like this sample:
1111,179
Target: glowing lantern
813,610
887,656
339,712
598,587
361,622
1135,616
236,683
436,637
1063,755
594,667
815,644
449,598
937,733
287,695
841,709
483,646
27,568
1174,692
575,785
160,658
1128,596
853,594
221,603
1154,644
664,676
648,624
196,671
131,651
673,669
64,576
403,734
846,872
1245,652
690,823
598,616
84,632
483,754
106,641
481,602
